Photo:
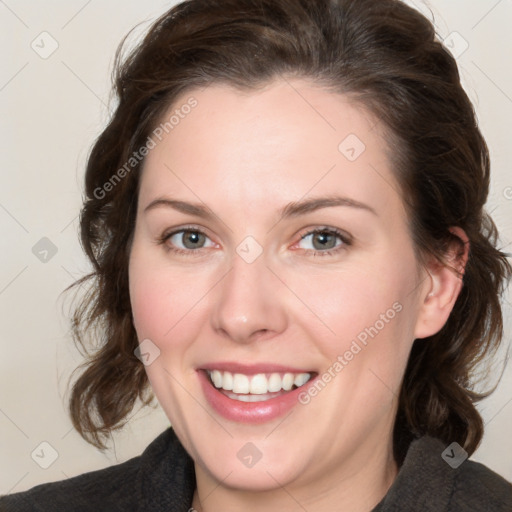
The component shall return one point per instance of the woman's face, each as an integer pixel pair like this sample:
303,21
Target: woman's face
229,281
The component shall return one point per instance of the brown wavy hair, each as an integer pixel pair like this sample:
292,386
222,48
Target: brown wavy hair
386,56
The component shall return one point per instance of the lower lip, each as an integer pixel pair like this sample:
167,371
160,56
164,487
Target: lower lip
249,412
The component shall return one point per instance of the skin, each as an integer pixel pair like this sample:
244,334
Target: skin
246,156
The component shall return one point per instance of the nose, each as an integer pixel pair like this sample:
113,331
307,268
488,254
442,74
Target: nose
250,304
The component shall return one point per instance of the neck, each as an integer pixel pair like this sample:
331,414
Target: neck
357,484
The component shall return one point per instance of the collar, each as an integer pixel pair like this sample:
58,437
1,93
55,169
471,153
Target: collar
167,478
424,482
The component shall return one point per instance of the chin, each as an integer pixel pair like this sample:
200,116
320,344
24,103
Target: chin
261,477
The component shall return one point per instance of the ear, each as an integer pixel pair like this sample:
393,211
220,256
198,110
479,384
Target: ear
442,287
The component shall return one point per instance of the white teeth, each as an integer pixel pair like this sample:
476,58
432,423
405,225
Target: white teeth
249,398
217,378
240,383
275,383
258,384
301,379
227,382
288,381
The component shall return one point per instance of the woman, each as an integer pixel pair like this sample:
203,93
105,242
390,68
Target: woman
285,218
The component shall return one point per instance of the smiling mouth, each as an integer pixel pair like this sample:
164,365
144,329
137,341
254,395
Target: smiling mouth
256,388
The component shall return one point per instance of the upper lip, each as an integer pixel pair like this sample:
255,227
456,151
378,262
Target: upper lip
251,369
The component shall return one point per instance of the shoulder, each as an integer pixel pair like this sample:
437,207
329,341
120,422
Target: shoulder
478,488
116,488
114,485
466,485
470,486
435,477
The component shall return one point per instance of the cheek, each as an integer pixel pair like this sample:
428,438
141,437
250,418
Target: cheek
154,300
150,303
168,309
161,308
370,315
349,301
161,298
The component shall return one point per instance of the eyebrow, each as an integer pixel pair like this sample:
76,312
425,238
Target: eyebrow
294,209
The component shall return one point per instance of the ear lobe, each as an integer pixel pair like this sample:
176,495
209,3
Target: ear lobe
442,289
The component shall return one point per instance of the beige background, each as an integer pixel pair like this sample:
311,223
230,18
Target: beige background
51,111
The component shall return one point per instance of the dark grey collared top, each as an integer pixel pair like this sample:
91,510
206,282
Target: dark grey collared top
162,480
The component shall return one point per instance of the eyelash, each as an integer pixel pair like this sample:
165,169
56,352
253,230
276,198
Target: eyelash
345,239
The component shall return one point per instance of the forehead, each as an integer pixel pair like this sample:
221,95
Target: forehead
268,146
